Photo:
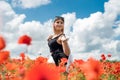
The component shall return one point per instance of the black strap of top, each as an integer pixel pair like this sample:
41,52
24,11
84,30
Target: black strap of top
58,36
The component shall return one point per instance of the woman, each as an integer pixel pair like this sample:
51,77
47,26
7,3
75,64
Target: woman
58,42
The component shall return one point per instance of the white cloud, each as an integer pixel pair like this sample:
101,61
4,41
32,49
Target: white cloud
5,9
16,49
6,14
39,33
35,29
95,33
1,23
69,20
117,30
112,7
89,36
29,3
13,27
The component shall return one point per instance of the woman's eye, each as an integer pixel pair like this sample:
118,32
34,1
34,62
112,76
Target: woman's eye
57,22
60,22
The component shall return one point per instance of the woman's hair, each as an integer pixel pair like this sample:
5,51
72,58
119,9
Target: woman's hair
58,18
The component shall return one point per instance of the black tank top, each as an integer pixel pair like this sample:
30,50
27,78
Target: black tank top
54,45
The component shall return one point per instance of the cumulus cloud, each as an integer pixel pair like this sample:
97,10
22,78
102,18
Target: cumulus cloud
69,20
39,33
6,13
1,23
96,32
13,26
90,36
29,3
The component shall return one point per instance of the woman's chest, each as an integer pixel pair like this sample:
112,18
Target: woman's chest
53,43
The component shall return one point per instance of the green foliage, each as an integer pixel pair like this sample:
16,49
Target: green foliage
112,77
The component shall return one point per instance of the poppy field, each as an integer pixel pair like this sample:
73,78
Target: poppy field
26,68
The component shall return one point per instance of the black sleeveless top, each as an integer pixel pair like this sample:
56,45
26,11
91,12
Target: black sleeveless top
54,45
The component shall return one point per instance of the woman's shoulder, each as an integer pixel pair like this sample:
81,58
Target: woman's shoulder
49,37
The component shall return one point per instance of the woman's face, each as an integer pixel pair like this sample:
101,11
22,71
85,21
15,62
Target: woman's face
58,24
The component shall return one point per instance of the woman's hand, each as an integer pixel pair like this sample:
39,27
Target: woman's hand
63,38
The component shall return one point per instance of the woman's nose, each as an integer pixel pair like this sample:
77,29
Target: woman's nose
59,23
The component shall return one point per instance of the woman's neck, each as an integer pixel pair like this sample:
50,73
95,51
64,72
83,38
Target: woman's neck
57,33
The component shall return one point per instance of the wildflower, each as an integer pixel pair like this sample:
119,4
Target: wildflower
21,71
11,66
43,72
22,55
25,39
40,60
63,61
103,57
2,43
4,55
92,69
109,55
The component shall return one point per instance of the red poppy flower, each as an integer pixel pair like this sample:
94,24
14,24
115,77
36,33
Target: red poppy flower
21,70
103,57
25,39
63,62
43,72
10,66
4,56
92,69
109,55
40,60
2,43
22,55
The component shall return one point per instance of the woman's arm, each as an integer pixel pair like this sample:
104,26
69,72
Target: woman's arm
49,37
65,45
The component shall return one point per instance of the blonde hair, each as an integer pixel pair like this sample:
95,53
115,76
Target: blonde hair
58,18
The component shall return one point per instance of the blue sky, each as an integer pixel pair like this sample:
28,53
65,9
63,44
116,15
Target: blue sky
83,8
92,23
